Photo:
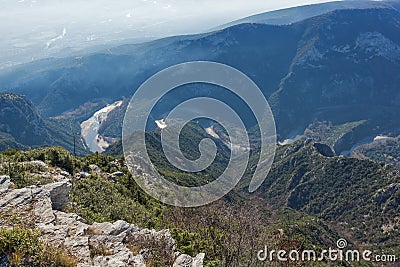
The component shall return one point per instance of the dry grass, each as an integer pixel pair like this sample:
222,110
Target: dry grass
99,250
22,246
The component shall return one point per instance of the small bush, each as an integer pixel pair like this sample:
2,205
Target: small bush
23,247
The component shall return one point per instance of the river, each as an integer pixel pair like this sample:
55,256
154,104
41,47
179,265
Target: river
90,128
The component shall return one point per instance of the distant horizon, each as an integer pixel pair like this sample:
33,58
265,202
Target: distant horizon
34,29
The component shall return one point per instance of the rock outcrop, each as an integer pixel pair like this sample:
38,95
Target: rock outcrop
99,244
324,150
187,261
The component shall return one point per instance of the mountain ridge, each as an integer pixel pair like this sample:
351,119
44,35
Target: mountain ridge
310,70
23,127
299,13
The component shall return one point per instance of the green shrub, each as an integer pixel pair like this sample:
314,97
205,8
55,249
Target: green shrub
23,247
100,200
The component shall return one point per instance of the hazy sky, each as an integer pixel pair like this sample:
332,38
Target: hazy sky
152,15
37,28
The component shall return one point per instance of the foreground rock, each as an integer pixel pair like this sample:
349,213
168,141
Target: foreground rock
187,261
100,244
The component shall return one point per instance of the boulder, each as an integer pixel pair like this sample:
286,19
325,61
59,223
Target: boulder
76,225
53,234
38,163
83,175
138,261
5,184
145,236
113,244
198,260
79,247
120,259
59,194
41,199
115,228
117,174
34,199
184,260
324,150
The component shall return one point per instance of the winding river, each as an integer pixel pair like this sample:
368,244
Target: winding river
90,128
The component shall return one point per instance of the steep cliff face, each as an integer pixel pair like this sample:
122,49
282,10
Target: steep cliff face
21,122
344,70
22,126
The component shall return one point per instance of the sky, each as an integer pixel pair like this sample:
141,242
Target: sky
32,29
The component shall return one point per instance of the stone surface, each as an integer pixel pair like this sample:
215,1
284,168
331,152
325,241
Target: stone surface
115,228
54,234
198,260
76,225
184,260
79,247
5,184
99,244
34,199
38,163
138,261
95,168
119,259
117,174
59,194
83,175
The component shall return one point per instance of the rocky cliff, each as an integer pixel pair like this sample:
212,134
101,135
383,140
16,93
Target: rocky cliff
98,244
